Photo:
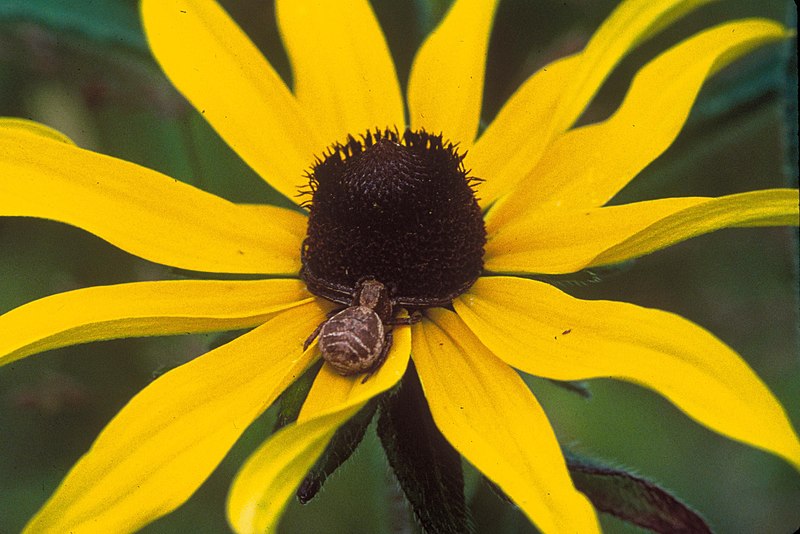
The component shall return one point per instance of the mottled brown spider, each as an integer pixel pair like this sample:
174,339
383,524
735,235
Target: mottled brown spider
357,339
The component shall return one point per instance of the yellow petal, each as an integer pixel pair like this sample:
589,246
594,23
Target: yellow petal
344,75
488,414
445,89
552,99
586,167
142,211
272,474
292,222
540,330
158,450
270,477
333,393
221,72
777,207
143,309
557,241
632,22
11,124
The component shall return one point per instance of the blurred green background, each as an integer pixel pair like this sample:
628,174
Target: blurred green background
84,68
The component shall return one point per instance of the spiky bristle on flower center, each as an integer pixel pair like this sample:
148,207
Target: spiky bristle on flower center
397,208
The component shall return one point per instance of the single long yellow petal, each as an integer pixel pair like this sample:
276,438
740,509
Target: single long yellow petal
445,89
272,474
143,309
295,223
141,211
777,207
489,415
344,75
270,477
11,124
550,101
221,72
158,450
543,331
556,241
587,166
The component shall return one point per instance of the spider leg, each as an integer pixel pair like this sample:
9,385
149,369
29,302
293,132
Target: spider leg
310,339
387,344
414,318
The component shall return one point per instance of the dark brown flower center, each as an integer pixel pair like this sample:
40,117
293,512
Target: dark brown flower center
397,208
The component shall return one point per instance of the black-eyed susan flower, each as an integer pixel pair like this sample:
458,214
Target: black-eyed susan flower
392,197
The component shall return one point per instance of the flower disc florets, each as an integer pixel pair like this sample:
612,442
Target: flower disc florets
400,209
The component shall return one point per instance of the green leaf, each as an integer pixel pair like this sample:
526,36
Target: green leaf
427,467
97,48
628,497
343,444
115,22
633,499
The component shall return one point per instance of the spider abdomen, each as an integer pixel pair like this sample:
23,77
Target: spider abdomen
352,340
